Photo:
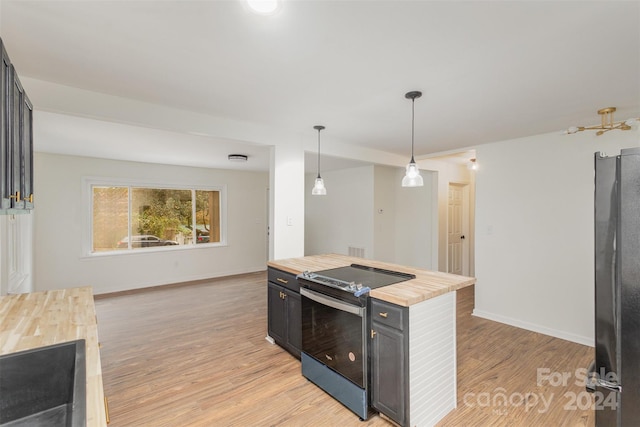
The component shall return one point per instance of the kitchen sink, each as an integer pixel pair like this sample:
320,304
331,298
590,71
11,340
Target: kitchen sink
45,386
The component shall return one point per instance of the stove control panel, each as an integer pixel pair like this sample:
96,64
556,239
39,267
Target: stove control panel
354,288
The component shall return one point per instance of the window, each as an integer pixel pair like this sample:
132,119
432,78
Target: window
127,217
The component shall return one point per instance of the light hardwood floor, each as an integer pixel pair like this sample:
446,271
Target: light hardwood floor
196,355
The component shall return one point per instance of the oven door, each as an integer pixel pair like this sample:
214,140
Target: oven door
334,333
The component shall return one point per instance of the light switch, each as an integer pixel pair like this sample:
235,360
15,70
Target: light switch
289,221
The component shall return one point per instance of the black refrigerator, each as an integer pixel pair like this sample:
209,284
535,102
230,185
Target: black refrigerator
614,376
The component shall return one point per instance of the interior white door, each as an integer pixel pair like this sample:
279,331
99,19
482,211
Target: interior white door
455,239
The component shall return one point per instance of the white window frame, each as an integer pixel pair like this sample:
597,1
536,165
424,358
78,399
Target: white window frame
87,218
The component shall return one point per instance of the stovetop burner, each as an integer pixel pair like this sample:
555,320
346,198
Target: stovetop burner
356,279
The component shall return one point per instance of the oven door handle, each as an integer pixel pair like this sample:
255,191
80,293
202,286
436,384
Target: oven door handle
332,302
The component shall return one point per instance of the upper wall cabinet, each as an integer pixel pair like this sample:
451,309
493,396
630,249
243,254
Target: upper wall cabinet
16,141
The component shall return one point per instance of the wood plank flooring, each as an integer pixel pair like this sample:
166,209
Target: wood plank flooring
196,355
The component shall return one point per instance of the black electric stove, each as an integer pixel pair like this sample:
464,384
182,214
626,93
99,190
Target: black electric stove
335,306
351,282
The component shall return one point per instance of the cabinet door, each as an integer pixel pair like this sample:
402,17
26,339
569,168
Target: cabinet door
17,147
26,173
6,168
276,313
388,372
294,322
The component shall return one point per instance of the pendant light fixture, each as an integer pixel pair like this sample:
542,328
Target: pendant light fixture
319,188
412,177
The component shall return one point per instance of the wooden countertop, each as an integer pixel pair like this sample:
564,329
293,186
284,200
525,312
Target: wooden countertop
44,318
426,285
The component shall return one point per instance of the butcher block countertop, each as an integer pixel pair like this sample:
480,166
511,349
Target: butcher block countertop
39,319
426,285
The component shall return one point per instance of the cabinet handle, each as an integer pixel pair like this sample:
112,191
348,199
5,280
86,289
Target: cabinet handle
29,199
16,196
383,314
106,409
373,333
282,280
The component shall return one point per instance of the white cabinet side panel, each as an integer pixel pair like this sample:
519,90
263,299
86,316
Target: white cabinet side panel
432,360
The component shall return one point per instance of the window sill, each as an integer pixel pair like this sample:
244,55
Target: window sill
146,251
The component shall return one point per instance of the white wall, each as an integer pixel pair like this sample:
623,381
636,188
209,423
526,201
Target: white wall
534,231
405,232
342,218
286,196
416,222
384,213
59,217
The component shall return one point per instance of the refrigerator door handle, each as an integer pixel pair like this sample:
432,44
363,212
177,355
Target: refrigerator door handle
590,384
593,381
609,385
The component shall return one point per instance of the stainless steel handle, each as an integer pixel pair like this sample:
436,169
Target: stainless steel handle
608,385
593,381
332,302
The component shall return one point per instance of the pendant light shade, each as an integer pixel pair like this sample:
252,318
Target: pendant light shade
319,188
412,177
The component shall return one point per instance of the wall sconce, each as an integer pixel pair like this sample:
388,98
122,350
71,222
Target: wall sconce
472,165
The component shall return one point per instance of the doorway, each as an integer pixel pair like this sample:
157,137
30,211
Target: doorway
458,229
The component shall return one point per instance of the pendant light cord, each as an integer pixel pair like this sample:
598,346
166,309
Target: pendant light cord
319,153
413,116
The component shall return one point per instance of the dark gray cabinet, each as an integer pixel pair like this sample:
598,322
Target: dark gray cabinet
413,363
294,322
390,360
284,310
16,141
6,161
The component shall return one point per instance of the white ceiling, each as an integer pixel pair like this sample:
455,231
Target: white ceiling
489,71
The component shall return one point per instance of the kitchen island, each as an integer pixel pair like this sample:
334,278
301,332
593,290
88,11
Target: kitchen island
40,319
427,284
412,337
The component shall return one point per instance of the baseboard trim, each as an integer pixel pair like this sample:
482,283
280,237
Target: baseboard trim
579,339
188,281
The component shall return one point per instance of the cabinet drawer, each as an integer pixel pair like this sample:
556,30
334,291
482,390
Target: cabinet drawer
284,279
388,314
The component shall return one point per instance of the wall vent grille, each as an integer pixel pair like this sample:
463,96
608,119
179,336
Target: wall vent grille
357,252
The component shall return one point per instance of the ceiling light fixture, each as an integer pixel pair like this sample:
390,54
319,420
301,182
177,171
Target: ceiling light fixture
412,177
264,7
607,123
238,158
472,165
319,188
